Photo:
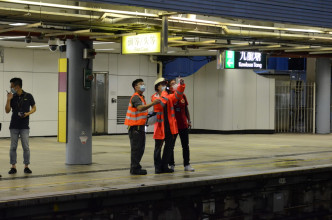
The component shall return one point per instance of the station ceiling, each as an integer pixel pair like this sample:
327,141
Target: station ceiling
188,34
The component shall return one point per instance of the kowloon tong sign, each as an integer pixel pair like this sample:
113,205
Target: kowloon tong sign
244,60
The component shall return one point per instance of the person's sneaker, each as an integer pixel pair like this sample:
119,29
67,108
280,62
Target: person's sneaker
12,171
189,168
138,172
27,170
172,167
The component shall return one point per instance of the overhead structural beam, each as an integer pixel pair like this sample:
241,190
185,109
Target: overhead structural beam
164,35
20,27
73,7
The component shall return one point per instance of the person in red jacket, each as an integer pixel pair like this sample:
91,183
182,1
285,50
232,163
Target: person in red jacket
135,119
183,121
165,127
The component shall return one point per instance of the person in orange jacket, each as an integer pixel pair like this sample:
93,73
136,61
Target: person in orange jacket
166,126
136,117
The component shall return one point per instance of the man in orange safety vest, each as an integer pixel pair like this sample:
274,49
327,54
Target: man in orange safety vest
135,119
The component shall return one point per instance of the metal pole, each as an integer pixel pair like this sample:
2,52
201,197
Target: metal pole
314,109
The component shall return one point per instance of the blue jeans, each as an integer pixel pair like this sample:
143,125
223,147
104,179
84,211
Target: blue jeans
14,135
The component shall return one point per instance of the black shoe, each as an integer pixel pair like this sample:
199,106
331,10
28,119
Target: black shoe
158,171
12,171
27,170
138,172
168,170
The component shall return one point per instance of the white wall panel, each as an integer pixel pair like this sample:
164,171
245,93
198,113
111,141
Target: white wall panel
149,88
19,60
45,61
45,93
5,130
128,65
272,102
100,63
153,69
144,65
124,85
263,102
112,126
43,128
3,96
250,100
113,87
225,99
113,64
199,100
229,100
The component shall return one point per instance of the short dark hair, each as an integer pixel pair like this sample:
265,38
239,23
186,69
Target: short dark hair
16,82
136,81
169,82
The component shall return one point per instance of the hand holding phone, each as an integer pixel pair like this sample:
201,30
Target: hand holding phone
9,95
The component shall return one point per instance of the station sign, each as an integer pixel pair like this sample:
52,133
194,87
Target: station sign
141,43
244,60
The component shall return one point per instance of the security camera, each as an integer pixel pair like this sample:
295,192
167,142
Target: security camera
27,39
53,44
62,46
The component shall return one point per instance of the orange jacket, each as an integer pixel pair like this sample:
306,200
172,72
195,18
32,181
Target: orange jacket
169,99
135,117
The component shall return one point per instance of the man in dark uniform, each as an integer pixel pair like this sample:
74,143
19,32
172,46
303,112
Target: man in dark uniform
136,119
19,102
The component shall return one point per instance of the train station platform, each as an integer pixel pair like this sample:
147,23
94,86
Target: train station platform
241,162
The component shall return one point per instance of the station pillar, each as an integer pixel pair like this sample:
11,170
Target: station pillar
323,95
79,111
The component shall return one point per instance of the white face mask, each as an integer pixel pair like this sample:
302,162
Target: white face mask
13,91
175,87
163,88
142,88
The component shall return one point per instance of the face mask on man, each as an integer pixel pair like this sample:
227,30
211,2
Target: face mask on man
13,90
163,88
175,87
142,88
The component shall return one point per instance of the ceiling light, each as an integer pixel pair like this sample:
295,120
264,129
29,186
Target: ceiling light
104,49
18,24
103,43
35,46
10,38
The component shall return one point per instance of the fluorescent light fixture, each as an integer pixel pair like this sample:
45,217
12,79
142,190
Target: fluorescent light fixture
171,51
103,43
35,46
213,50
18,24
104,49
9,38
